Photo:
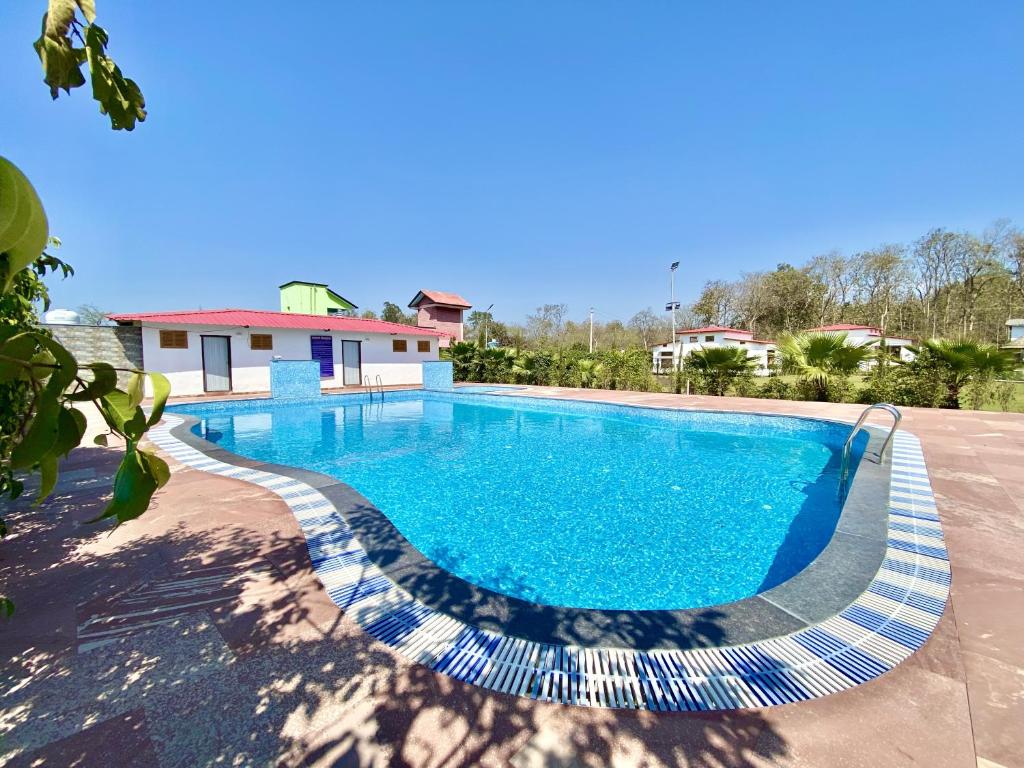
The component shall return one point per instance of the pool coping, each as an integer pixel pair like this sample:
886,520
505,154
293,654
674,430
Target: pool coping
840,572
892,616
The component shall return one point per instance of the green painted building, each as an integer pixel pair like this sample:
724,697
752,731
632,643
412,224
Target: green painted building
313,299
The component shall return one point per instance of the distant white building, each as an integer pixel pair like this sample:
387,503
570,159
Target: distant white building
1016,342
858,335
665,357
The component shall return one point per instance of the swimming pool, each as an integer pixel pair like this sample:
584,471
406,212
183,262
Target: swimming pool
572,504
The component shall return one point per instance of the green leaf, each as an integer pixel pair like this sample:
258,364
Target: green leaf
47,477
41,435
104,381
136,389
60,59
6,607
121,416
100,439
65,374
88,8
161,390
120,97
157,467
42,365
22,347
70,429
23,236
134,486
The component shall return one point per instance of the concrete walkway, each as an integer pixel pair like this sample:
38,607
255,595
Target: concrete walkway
197,635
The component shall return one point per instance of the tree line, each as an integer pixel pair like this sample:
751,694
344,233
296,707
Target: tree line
945,284
956,285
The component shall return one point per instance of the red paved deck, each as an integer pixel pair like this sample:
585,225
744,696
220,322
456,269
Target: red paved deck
199,635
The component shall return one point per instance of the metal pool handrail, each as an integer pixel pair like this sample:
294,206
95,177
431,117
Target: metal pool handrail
897,417
369,387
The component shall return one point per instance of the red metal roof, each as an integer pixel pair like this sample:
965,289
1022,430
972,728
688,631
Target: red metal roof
716,329
744,336
258,318
439,297
847,327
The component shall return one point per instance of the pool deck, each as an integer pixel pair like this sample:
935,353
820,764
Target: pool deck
248,662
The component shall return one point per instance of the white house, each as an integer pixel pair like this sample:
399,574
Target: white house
1016,342
763,350
666,356
229,350
859,335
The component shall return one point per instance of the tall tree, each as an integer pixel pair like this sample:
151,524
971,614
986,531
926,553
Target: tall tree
651,328
547,322
880,276
717,303
833,272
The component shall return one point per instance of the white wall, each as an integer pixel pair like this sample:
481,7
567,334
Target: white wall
756,350
250,368
860,337
759,350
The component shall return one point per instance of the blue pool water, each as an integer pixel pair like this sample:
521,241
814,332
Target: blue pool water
569,504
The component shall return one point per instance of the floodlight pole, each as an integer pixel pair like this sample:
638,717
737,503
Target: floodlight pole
672,304
591,330
672,308
487,314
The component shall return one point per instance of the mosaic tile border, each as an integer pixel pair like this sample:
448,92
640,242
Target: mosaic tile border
878,630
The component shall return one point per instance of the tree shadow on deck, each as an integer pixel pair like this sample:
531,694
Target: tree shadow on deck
221,647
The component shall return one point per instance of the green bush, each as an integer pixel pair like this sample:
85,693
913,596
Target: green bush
714,370
1004,394
776,389
745,386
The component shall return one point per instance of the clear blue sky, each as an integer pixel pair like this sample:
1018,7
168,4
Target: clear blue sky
517,153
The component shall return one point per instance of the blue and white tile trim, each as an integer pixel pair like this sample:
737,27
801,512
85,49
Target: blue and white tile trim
881,628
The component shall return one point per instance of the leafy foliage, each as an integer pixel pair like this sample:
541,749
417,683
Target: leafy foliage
952,284
23,226
393,314
67,43
42,384
610,369
955,364
715,369
776,389
823,361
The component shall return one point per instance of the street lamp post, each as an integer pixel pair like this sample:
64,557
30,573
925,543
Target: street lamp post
591,330
672,306
487,315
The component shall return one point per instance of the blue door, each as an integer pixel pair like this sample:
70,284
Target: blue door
322,349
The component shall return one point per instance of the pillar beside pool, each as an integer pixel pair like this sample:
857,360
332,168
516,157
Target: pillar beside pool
438,376
294,379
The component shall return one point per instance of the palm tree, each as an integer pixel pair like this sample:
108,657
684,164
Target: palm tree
822,359
497,364
719,367
960,362
589,371
525,368
465,361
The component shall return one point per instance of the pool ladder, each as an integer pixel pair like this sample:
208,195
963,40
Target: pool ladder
369,386
897,417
